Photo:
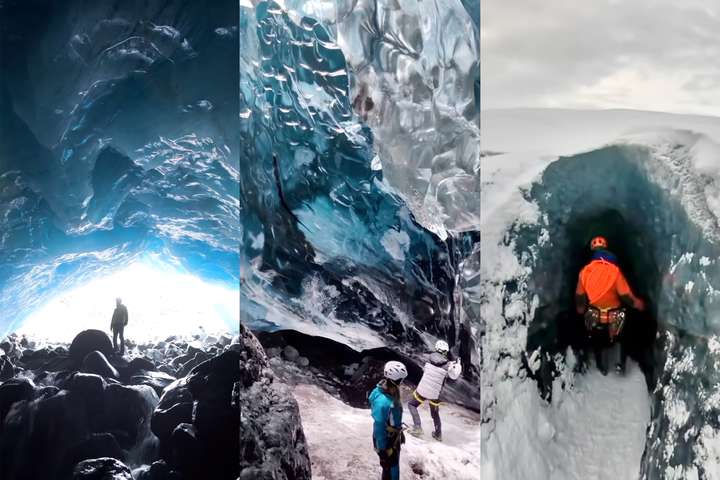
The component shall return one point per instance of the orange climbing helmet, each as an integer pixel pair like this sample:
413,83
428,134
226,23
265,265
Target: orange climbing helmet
598,242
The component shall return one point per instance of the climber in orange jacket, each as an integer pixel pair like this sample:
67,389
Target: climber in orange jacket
601,293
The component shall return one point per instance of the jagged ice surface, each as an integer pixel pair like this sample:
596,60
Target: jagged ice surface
325,230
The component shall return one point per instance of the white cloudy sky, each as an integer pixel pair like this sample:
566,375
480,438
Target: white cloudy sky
642,54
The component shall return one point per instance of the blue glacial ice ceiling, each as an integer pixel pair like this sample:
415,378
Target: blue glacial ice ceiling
353,151
118,141
359,169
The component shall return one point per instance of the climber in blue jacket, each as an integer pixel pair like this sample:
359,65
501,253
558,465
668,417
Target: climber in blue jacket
386,410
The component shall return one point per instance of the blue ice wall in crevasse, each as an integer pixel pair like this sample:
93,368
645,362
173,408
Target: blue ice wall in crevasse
658,208
118,140
327,241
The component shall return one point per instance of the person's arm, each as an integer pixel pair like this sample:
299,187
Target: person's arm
112,320
126,316
626,295
380,412
580,297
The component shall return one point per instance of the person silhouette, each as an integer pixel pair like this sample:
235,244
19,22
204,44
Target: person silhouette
118,323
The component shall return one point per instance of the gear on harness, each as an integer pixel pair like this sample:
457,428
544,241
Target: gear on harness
612,320
396,434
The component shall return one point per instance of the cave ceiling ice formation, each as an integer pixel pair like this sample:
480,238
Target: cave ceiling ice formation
360,169
118,143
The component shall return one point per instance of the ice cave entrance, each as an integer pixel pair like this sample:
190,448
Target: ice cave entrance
162,300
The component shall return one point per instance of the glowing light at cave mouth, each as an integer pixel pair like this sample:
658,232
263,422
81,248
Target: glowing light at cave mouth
161,301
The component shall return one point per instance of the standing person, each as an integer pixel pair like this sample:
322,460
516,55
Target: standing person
117,324
601,294
434,373
386,410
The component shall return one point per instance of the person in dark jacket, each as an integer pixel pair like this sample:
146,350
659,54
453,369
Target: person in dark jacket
118,323
434,374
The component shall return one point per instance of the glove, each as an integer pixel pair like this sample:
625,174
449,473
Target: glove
455,370
640,305
402,438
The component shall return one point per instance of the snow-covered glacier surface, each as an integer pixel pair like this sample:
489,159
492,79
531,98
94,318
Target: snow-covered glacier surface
359,170
118,149
651,183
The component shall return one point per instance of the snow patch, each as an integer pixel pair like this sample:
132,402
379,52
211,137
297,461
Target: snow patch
339,439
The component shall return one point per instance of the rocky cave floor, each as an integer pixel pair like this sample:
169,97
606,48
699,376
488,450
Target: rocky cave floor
209,407
165,410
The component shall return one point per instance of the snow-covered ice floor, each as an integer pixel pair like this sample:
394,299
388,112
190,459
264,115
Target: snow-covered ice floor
339,439
594,431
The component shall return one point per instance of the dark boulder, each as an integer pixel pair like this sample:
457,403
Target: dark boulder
290,353
271,434
89,341
157,380
186,453
178,362
101,469
7,346
7,369
137,365
98,445
164,421
176,392
47,391
128,410
90,388
15,390
216,376
160,470
168,369
38,434
215,416
96,362
197,359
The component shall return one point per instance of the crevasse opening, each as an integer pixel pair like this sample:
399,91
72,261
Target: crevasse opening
625,192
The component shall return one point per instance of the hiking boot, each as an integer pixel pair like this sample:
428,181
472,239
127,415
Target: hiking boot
437,436
415,431
603,370
620,369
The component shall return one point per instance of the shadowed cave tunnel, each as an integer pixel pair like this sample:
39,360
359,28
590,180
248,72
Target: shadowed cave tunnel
607,192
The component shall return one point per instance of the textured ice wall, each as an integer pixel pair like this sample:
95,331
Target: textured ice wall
416,82
324,230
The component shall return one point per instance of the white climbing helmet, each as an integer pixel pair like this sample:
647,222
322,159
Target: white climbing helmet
395,371
442,346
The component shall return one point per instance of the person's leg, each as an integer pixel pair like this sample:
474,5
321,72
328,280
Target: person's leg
391,467
385,471
115,334
412,406
122,340
395,466
435,413
395,471
598,341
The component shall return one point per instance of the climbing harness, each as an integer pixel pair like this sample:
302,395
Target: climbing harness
610,319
